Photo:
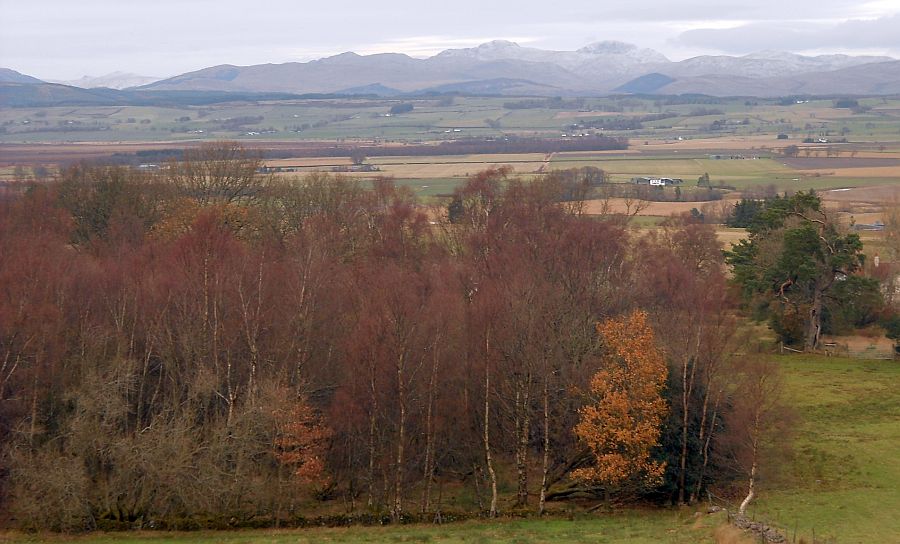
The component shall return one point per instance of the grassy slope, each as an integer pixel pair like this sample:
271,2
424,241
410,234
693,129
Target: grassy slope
634,528
844,481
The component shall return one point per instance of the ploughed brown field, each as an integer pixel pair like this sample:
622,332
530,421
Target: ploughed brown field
876,194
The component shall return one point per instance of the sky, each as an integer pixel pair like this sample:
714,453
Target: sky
66,39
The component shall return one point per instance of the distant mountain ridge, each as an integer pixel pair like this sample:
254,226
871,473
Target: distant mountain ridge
113,80
505,68
11,76
597,68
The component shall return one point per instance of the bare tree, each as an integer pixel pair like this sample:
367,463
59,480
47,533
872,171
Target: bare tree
223,172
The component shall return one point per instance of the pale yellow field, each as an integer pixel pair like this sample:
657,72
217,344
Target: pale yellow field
577,114
877,194
661,209
563,155
728,236
451,170
886,154
686,168
475,159
861,172
732,142
308,162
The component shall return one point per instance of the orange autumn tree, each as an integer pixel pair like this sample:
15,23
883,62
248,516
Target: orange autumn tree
622,423
301,441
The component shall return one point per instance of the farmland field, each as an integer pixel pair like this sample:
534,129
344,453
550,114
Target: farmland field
861,149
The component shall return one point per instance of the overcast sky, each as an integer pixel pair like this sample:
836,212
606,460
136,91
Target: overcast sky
65,39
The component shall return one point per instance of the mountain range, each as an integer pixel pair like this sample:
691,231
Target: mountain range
506,68
503,67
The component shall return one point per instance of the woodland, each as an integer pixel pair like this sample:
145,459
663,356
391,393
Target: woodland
205,345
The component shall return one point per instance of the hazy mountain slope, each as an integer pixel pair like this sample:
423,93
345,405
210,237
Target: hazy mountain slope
498,86
868,79
507,68
599,61
763,64
51,94
350,70
11,76
501,67
879,78
646,84
373,89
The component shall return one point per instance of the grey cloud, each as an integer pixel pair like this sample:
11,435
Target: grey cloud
730,10
881,33
66,38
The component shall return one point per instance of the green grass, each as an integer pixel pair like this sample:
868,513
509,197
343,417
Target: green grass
635,527
430,187
843,481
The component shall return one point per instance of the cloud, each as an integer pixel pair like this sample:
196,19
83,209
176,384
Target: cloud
426,46
63,39
873,34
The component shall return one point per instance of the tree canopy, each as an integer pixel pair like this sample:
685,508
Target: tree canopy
791,263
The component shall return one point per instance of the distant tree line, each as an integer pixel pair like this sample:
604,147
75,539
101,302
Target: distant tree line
464,146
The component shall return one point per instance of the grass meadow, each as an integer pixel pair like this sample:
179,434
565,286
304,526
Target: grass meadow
843,481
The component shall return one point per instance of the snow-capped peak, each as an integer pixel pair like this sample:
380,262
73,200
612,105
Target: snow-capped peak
614,48
497,44
112,80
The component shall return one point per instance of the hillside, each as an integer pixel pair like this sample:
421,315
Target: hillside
882,78
597,68
23,95
11,76
495,68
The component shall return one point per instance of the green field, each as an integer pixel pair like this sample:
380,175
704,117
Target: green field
634,528
737,172
844,479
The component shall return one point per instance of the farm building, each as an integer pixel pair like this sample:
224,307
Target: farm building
657,182
876,226
719,157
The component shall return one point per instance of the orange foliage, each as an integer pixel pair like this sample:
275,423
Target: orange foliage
300,441
183,213
622,424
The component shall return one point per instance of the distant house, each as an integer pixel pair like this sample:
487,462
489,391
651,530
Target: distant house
718,157
657,182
